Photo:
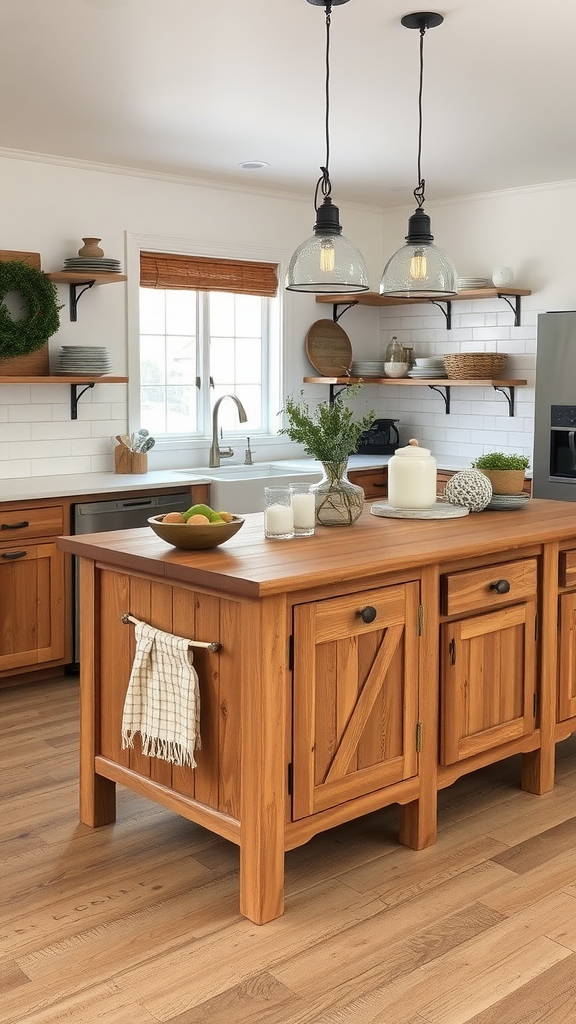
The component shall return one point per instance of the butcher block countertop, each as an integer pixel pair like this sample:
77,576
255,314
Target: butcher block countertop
250,565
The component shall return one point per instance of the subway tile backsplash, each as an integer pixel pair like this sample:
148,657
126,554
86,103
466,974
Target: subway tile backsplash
478,419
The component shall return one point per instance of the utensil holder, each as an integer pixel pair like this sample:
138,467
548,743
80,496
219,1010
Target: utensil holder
126,461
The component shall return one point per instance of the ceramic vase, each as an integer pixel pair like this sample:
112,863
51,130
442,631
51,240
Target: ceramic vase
338,501
91,248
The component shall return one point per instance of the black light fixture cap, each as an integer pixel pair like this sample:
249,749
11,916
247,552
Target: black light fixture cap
422,20
419,228
327,3
327,219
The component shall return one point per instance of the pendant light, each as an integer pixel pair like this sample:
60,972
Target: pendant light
419,269
327,262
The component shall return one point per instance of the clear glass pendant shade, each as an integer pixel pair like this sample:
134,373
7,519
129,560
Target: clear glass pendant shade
419,269
327,264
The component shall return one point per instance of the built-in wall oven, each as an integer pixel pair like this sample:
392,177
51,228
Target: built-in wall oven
554,471
118,514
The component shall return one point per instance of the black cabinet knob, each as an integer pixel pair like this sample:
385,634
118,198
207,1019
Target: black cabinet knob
500,586
368,614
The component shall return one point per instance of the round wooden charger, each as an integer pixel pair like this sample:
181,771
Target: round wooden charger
328,348
441,510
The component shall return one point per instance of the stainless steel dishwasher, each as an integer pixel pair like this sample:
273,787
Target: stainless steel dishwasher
119,514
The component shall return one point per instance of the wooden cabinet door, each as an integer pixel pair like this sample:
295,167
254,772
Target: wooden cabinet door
567,657
488,681
355,696
31,605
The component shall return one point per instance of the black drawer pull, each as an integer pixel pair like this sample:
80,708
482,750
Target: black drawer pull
14,554
14,526
500,586
368,614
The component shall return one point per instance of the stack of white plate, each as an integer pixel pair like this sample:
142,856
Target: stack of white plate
367,368
83,361
431,366
464,283
93,264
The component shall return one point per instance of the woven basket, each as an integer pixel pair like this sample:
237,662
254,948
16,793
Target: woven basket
472,365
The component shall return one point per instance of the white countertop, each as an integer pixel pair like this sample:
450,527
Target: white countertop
79,484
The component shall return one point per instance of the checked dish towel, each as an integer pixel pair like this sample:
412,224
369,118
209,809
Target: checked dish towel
163,699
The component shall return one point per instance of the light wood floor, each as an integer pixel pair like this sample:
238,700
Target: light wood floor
137,922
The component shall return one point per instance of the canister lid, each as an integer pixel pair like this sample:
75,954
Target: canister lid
413,450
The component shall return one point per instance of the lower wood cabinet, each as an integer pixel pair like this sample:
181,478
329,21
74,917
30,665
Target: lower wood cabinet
373,481
32,606
355,695
567,657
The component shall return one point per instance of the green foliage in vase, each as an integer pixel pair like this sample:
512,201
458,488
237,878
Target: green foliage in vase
329,433
499,460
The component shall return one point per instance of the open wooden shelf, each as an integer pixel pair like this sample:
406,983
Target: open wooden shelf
65,378
374,299
80,281
440,384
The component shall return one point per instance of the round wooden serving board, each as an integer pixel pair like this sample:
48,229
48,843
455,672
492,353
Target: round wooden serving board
328,348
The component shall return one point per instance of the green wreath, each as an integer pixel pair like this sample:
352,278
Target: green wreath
41,317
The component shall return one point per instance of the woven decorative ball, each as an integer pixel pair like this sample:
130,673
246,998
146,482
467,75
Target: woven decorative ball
469,488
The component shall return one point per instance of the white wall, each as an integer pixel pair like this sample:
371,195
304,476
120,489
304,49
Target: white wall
47,207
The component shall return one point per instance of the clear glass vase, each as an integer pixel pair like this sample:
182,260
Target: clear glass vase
338,501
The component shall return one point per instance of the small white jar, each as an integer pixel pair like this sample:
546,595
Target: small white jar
412,477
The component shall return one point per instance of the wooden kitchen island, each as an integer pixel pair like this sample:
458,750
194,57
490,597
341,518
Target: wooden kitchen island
364,666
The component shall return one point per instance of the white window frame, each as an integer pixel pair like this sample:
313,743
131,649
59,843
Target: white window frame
279,356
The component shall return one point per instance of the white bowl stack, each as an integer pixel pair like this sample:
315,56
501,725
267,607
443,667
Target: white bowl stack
428,366
83,361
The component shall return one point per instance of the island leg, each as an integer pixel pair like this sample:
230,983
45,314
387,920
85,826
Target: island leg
538,766
264,680
97,794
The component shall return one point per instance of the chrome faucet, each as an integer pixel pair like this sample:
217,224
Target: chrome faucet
216,452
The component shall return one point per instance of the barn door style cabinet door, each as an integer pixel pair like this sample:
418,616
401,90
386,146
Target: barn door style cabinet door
488,680
355,696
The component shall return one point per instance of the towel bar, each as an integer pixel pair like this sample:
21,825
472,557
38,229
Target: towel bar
214,646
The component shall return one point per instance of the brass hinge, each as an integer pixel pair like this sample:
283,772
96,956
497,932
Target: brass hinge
290,779
535,705
418,737
452,649
290,652
420,620
536,627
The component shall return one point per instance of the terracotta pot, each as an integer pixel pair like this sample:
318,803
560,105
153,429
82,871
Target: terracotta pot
505,481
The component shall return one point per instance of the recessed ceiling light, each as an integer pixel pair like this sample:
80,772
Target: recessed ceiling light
254,165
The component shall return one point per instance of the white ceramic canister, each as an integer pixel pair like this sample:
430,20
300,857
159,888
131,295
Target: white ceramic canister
412,477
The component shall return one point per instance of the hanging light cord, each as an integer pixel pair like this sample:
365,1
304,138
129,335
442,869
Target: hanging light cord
419,190
324,184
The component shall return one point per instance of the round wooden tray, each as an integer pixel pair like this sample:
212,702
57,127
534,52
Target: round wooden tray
328,348
441,510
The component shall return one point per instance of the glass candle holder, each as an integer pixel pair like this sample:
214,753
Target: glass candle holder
304,509
278,514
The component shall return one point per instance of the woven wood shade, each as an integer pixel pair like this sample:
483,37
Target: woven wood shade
199,273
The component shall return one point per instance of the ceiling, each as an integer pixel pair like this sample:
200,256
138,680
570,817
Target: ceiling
194,87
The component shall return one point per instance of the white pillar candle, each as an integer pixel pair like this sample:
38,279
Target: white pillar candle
304,508
279,520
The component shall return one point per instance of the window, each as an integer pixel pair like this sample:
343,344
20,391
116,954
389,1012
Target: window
208,327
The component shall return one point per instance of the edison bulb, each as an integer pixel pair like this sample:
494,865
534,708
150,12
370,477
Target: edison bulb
327,256
418,268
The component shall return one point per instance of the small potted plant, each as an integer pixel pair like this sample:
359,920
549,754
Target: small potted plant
505,472
330,434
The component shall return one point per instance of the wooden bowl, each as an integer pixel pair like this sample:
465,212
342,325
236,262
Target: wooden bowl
195,537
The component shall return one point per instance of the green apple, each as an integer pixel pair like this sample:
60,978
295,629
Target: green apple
198,510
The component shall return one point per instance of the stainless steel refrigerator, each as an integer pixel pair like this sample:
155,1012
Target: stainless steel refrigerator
554,469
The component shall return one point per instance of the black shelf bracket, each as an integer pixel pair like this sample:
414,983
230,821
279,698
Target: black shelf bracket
75,295
447,312
508,393
515,306
445,393
74,398
334,393
347,305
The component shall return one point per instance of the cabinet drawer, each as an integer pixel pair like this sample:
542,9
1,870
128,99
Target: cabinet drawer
476,589
43,521
568,568
373,481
